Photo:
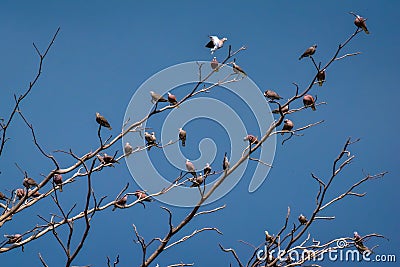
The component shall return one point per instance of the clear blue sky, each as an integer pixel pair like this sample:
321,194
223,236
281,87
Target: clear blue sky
106,50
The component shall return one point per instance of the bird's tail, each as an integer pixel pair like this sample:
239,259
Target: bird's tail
183,143
320,82
366,30
313,107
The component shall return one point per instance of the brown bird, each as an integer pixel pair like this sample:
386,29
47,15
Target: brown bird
120,202
321,77
57,179
207,170
251,138
102,121
237,69
302,219
142,196
309,101
36,194
215,43
29,182
309,52
150,139
197,181
182,136
214,64
109,159
269,238
20,193
272,95
172,99
2,196
12,239
284,110
287,126
360,22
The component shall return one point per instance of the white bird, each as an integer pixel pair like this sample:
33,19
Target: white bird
190,167
215,43
157,97
128,149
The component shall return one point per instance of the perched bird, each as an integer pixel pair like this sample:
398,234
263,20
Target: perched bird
20,193
197,181
284,109
269,238
150,139
128,149
157,98
215,43
251,138
2,196
360,22
190,167
12,239
207,170
359,243
309,101
142,196
214,64
172,99
57,179
182,136
225,163
321,77
272,95
120,202
287,126
302,219
29,182
309,52
109,159
237,69
102,121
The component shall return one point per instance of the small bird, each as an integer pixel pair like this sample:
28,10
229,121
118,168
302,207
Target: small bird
182,136
309,101
225,163
20,193
360,22
215,43
309,52
120,202
251,138
142,196
150,139
207,170
102,121
29,182
172,99
284,109
269,238
197,181
2,196
214,64
128,149
287,126
12,239
302,219
109,159
57,179
237,69
157,98
321,77
359,243
190,167
272,95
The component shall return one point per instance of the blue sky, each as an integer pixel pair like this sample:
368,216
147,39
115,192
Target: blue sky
105,51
